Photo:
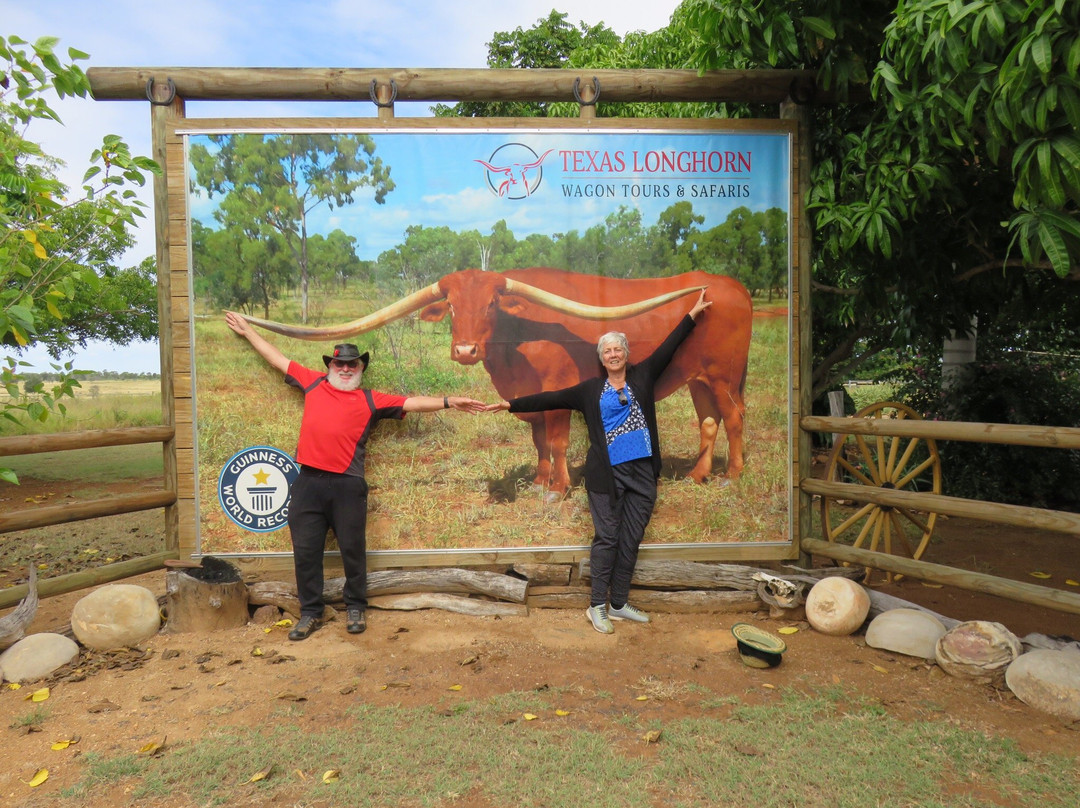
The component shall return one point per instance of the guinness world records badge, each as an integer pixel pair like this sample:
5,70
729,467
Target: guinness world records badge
254,488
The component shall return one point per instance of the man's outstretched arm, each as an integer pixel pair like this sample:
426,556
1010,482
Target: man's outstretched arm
267,351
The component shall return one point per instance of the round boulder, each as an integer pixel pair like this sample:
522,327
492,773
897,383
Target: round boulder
978,650
906,631
116,616
37,656
1048,681
837,606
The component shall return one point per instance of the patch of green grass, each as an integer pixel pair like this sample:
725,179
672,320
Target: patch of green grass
102,465
804,749
34,718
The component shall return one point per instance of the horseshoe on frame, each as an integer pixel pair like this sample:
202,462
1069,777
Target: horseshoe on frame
150,93
375,98
596,91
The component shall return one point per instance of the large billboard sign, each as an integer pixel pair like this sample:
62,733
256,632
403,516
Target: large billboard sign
486,262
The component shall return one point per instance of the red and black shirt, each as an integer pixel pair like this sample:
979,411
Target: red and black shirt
337,423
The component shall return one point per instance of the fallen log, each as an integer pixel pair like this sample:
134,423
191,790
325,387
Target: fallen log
695,575
650,600
13,626
449,603
545,574
396,582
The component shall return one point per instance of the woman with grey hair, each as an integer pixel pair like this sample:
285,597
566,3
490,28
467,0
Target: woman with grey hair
623,461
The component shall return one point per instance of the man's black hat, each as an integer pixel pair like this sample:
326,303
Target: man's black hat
347,352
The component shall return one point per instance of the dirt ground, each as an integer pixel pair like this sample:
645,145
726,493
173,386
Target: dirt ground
177,684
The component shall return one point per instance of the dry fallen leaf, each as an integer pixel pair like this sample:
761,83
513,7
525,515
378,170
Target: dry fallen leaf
13,686
256,652
642,698
38,695
788,630
291,697
64,744
652,736
1071,582
929,585
561,713
1038,574
153,748
283,623
529,716
262,775
331,776
454,687
39,778
879,669
771,687
469,660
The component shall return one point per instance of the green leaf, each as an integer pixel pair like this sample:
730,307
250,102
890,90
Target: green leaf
1053,245
820,27
1042,52
9,476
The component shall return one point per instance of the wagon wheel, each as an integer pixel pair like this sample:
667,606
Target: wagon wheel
904,464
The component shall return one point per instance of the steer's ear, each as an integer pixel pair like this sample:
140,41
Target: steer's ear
513,304
434,312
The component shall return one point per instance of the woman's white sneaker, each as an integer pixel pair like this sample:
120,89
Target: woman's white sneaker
628,612
598,616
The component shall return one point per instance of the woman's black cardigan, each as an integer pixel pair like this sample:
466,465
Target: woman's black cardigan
585,398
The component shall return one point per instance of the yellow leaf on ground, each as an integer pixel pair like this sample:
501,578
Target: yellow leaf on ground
929,585
561,713
64,744
39,695
153,748
788,630
283,623
13,686
331,776
1071,582
454,687
1038,574
879,669
262,775
652,736
256,652
39,778
529,717
771,687
642,698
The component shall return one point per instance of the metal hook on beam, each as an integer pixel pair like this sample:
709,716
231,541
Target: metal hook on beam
596,92
150,93
375,98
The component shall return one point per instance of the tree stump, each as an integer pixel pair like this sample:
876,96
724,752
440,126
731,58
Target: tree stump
210,597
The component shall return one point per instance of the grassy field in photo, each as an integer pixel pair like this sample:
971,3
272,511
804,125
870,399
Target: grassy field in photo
453,480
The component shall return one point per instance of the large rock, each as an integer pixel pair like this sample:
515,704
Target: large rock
36,657
116,616
906,631
978,650
1048,681
837,606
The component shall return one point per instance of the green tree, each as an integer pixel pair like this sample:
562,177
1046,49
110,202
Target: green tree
52,246
270,184
548,44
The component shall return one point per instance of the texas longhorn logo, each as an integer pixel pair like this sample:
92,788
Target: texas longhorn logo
514,171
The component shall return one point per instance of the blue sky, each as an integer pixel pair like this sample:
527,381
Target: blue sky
583,178
247,33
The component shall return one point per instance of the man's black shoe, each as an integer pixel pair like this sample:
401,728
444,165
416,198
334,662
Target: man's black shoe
307,626
355,621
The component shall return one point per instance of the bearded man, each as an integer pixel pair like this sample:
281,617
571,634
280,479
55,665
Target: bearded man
330,491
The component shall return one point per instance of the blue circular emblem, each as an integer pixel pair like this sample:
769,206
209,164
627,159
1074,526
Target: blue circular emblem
254,488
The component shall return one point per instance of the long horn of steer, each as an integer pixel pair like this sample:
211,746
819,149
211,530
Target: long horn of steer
589,312
395,311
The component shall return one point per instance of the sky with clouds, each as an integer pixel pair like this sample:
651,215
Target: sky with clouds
249,33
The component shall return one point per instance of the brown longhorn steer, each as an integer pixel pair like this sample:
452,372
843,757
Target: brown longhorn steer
536,329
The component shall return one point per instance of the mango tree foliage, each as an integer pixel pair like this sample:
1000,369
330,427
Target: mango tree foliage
55,249
946,179
270,185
